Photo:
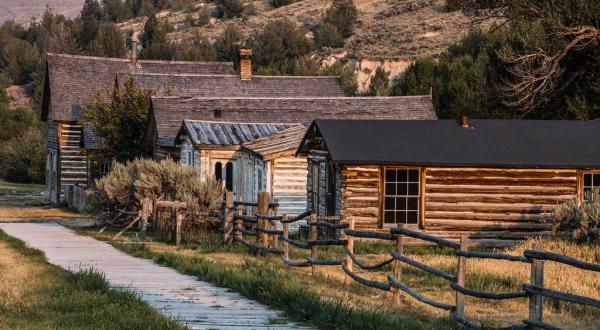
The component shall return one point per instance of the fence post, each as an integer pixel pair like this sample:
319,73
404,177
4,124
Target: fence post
178,222
314,235
228,219
398,264
263,209
350,245
274,225
536,301
286,245
239,223
144,220
460,277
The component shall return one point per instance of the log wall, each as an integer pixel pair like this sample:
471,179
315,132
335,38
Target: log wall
494,199
360,195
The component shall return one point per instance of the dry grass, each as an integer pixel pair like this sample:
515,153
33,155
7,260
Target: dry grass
482,274
37,212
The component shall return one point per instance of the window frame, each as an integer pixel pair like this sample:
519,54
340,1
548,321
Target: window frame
419,197
582,186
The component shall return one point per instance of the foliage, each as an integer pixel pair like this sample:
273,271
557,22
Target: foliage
327,35
228,45
154,40
281,3
279,45
379,85
580,221
343,15
231,8
129,183
199,49
120,118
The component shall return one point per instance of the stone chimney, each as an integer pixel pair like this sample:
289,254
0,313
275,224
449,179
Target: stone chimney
134,46
246,64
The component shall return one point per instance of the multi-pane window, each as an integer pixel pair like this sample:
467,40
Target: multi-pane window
105,168
401,196
591,186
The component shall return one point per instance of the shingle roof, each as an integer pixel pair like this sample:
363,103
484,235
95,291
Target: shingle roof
222,133
194,85
169,112
491,143
73,79
284,143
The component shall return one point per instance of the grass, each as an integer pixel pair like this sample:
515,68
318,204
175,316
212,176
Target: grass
326,301
37,295
20,187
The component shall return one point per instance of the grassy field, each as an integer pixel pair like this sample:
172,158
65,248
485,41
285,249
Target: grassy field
37,295
329,302
20,187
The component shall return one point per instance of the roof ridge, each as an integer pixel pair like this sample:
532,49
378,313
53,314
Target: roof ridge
227,75
202,98
292,124
121,59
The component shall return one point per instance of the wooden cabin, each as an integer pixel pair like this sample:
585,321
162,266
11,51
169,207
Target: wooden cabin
496,180
169,112
70,82
215,150
284,173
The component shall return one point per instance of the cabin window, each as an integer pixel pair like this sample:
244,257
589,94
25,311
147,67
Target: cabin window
229,176
591,186
401,196
219,171
105,168
315,187
259,179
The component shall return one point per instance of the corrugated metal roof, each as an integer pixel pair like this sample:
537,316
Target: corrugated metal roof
222,133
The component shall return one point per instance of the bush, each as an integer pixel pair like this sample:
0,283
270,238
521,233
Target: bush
580,221
343,15
23,157
231,8
127,184
327,35
281,3
379,83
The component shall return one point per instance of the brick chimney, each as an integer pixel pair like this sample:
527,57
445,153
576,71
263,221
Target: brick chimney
464,121
246,64
134,46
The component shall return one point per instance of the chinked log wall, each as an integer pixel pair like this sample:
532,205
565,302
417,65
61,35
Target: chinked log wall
489,204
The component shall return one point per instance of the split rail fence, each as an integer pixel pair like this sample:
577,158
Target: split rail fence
260,227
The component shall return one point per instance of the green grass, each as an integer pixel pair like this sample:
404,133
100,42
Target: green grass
20,187
48,297
297,294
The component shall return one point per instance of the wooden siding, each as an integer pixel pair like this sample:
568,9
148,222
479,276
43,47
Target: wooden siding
360,195
289,184
494,199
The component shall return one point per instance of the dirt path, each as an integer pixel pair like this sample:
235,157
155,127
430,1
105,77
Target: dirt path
197,304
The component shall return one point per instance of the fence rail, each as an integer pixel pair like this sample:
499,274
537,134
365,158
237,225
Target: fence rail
267,227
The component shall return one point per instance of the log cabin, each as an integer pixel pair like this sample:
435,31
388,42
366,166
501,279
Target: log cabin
496,180
70,82
216,150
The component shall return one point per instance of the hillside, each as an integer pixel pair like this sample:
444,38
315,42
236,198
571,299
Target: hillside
390,33
22,11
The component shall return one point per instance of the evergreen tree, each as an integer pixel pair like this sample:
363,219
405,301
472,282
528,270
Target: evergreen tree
121,120
228,45
379,85
154,40
91,9
343,15
112,41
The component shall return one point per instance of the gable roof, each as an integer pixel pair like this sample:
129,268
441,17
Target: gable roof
284,143
71,80
168,112
213,85
222,133
491,143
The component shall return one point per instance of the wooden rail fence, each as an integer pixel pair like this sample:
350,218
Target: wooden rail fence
260,220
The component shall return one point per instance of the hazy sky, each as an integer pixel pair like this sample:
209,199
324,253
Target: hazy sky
23,10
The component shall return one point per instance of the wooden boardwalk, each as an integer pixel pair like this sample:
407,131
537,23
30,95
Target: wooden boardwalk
197,304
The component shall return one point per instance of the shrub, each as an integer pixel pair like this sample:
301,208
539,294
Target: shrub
580,221
379,83
327,35
343,15
281,3
127,184
231,8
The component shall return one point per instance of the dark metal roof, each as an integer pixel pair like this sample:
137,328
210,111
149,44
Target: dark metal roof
492,143
220,133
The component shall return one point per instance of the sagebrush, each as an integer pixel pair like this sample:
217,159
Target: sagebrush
580,221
